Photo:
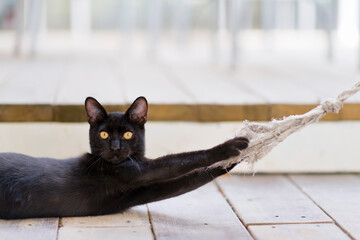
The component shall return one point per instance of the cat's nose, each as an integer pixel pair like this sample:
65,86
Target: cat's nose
115,145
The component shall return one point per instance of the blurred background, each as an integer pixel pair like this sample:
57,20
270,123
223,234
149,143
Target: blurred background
204,66
217,31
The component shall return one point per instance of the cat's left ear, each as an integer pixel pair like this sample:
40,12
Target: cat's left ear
137,112
95,112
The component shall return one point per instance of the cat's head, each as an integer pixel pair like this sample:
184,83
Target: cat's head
117,135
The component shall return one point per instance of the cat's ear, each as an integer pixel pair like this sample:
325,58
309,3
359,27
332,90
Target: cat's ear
95,112
137,112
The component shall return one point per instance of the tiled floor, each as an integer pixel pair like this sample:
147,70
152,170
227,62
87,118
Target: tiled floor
54,88
234,207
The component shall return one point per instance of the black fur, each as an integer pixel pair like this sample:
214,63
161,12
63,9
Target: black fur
112,178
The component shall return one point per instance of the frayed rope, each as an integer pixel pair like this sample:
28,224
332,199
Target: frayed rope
265,136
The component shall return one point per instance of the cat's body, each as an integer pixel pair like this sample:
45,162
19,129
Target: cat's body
49,187
112,178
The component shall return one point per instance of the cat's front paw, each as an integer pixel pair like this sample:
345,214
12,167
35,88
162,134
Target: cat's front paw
231,148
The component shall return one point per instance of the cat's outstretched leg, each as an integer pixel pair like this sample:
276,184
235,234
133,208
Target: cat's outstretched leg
163,190
176,165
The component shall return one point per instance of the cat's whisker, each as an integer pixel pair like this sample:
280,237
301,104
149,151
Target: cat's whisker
102,165
133,157
92,165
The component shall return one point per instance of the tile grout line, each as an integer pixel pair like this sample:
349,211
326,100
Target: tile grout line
58,228
234,81
10,73
151,223
232,208
65,72
287,176
176,81
101,227
118,71
288,223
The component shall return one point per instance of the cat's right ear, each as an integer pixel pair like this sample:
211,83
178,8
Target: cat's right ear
95,112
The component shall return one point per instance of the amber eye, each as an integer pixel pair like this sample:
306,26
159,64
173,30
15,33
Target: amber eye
128,135
104,135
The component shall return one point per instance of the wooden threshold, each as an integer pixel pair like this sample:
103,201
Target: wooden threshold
171,112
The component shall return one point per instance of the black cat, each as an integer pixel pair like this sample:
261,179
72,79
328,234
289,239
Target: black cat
112,178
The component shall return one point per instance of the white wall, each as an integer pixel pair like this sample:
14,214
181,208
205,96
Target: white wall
322,147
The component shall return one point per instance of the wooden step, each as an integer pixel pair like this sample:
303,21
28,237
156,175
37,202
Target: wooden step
171,112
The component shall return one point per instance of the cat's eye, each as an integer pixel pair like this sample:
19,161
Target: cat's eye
104,135
128,135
